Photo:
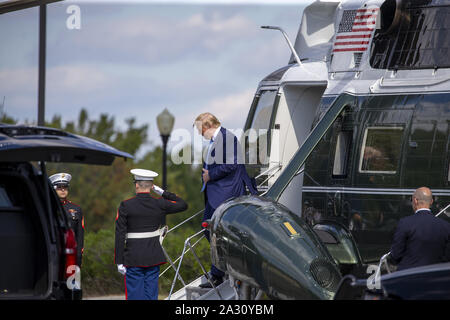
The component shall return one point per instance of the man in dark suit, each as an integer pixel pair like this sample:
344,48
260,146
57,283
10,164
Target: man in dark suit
420,239
223,174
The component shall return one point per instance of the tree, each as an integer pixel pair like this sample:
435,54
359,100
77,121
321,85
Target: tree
100,189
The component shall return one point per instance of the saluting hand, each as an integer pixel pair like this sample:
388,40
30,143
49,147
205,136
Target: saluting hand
158,190
205,175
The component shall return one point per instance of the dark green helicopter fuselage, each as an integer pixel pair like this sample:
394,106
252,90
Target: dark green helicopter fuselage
335,206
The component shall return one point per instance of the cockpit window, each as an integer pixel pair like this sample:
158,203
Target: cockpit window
263,111
261,124
381,150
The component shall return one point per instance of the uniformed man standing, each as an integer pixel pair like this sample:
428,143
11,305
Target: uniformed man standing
139,224
60,182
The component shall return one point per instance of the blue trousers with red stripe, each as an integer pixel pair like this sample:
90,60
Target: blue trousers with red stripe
141,283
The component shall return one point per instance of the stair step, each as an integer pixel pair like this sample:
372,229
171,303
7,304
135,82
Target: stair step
193,292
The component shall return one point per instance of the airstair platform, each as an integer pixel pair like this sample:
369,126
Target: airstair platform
192,291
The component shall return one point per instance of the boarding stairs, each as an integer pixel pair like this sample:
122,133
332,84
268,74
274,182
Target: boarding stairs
228,289
192,291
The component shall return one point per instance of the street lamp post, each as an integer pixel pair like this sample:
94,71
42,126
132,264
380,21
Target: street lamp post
165,122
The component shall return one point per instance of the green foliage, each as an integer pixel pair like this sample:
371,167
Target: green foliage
99,274
100,189
6,119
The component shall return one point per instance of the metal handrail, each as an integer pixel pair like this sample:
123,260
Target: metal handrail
179,258
184,221
443,210
172,265
187,243
189,247
270,176
268,170
278,167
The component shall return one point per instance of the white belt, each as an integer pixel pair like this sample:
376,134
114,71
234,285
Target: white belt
143,235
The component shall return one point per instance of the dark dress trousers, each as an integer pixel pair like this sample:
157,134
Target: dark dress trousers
76,221
420,239
143,213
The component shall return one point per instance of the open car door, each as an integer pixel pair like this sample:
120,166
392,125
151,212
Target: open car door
29,143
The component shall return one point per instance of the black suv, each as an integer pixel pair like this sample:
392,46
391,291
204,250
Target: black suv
37,246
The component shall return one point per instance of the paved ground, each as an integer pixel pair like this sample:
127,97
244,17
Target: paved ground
112,297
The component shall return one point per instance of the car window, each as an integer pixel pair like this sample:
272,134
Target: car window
4,199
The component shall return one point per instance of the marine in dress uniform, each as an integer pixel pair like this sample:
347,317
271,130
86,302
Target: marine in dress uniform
139,223
60,182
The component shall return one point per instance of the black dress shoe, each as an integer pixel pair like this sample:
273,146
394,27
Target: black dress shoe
216,281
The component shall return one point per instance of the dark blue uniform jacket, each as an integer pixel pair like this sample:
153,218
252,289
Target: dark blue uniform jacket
143,213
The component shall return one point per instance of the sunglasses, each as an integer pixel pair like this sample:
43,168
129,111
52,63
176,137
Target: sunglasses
62,186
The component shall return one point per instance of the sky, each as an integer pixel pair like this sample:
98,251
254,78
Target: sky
133,59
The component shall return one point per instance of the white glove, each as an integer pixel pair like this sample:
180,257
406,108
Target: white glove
158,190
122,269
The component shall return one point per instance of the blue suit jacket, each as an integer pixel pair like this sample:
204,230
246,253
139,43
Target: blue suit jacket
228,176
420,239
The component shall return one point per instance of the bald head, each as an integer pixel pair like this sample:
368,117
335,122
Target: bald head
422,198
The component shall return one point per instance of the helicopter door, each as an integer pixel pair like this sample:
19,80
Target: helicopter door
257,135
341,155
375,199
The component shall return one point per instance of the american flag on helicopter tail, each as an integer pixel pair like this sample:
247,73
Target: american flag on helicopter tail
355,30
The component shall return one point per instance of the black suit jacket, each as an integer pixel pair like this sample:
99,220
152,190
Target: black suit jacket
420,239
227,173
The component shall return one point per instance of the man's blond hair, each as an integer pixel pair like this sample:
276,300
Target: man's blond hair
208,120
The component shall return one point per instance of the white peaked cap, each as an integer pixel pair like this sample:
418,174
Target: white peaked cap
143,175
60,178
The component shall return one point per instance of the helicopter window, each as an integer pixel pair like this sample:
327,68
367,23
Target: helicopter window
413,37
381,150
341,154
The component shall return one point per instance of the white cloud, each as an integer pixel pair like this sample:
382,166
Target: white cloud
18,78
156,38
222,2
80,79
231,110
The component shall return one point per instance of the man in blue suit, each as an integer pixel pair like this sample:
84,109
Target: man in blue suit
420,239
223,174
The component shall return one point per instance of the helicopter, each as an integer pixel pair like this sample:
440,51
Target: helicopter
357,120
